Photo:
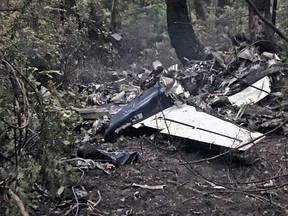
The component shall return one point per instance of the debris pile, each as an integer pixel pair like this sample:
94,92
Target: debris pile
208,101
231,106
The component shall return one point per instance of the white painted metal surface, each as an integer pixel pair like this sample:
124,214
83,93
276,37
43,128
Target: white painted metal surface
251,95
187,122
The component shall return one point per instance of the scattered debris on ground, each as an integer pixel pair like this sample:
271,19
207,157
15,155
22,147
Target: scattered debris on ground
205,89
189,135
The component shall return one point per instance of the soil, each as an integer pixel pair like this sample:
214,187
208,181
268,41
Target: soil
253,183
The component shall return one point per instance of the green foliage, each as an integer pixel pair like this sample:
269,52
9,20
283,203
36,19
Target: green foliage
36,41
214,30
144,25
25,33
33,150
95,16
155,13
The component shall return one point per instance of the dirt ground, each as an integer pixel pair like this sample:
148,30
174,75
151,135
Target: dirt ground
249,184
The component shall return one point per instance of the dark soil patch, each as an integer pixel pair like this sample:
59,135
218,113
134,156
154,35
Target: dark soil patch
219,187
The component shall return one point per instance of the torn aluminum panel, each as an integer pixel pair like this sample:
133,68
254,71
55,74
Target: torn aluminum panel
253,93
187,122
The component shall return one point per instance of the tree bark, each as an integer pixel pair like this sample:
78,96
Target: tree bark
274,9
258,29
199,10
267,22
115,22
181,32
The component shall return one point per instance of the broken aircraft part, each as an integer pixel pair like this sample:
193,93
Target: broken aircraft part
155,109
248,85
187,122
148,103
89,151
253,93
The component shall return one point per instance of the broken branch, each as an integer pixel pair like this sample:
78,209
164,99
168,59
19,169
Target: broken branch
19,203
156,187
99,200
16,84
9,9
71,209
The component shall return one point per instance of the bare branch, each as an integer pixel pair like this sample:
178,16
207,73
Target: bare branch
19,203
9,9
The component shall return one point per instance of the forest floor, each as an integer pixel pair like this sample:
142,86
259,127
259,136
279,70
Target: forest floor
217,187
178,178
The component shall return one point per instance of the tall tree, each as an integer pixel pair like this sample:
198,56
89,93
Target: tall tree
199,9
274,8
258,29
181,32
115,21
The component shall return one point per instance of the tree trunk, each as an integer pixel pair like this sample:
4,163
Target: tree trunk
68,6
274,9
199,10
180,30
258,29
115,22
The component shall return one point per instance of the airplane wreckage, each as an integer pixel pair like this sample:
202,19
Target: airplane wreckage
230,106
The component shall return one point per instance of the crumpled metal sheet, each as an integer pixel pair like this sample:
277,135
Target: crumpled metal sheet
148,103
252,94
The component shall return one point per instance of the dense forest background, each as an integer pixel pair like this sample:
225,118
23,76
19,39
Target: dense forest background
69,36
61,43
